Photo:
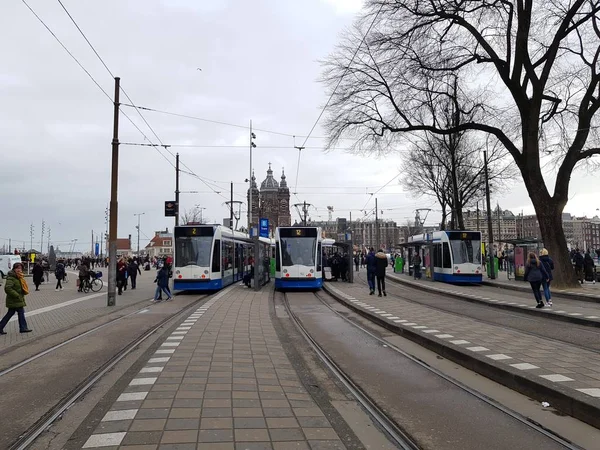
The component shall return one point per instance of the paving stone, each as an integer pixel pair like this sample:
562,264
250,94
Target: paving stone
217,394
215,436
326,445
217,446
282,422
313,422
253,446
114,426
184,413
159,403
216,412
216,403
141,438
320,433
148,425
249,422
278,412
182,424
286,434
179,437
299,445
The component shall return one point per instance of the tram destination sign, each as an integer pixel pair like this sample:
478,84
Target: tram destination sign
464,235
191,231
298,232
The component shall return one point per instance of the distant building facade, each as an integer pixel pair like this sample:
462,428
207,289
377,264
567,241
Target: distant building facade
161,245
272,202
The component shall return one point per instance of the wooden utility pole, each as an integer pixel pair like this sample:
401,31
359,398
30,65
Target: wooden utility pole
177,189
114,205
489,219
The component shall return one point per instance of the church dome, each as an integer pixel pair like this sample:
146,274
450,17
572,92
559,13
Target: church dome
269,183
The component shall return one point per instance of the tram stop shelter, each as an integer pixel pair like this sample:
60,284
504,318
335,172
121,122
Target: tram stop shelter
521,247
343,246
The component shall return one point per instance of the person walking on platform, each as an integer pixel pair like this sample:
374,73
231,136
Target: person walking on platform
59,273
133,271
588,267
380,264
416,262
38,275
16,289
162,284
535,272
549,266
121,275
356,261
371,269
83,275
578,263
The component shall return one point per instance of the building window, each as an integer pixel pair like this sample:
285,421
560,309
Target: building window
167,244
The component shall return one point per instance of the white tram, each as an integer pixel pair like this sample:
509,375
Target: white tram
210,257
298,258
456,255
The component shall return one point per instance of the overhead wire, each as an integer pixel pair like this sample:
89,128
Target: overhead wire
337,85
132,102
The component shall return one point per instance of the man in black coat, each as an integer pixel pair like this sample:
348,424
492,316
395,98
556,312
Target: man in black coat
381,262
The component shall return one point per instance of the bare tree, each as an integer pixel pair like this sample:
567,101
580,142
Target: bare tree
192,216
527,73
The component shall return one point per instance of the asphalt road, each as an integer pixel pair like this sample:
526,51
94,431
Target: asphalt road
435,412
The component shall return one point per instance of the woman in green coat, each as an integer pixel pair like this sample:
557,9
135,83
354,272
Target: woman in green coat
16,289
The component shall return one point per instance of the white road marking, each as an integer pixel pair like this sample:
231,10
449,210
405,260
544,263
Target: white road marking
478,349
498,357
123,414
104,440
524,366
151,370
556,377
594,392
132,396
142,381
460,342
444,336
159,360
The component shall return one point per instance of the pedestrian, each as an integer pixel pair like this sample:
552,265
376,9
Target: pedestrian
356,261
121,278
535,272
59,273
588,267
16,289
162,284
578,262
133,271
83,275
416,262
38,275
371,269
549,266
380,264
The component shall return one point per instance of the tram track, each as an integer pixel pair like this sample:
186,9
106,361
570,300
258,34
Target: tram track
29,436
550,335
393,430
391,427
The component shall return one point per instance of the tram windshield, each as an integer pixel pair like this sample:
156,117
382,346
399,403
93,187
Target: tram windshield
466,251
298,251
193,251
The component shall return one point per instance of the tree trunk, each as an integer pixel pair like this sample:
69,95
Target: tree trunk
549,216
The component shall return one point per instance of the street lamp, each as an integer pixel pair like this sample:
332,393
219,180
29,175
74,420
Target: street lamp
138,233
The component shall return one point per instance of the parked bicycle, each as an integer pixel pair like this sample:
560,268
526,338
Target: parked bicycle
93,282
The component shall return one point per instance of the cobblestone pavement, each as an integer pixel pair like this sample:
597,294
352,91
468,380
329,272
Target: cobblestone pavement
519,300
570,369
49,310
221,381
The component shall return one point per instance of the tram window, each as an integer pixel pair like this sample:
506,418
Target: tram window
437,255
216,259
466,251
447,260
277,257
228,251
319,258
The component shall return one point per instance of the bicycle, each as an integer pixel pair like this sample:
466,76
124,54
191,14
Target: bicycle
95,284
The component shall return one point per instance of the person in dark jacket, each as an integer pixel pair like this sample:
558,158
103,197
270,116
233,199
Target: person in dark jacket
133,271
162,283
16,289
59,273
535,272
371,268
38,275
121,275
381,262
588,267
549,266
578,263
416,262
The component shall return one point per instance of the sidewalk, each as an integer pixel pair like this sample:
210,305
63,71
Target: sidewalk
588,292
574,311
220,381
564,375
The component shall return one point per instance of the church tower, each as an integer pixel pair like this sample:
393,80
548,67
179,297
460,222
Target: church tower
268,200
283,203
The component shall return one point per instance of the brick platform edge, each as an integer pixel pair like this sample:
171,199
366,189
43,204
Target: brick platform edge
573,404
556,293
474,299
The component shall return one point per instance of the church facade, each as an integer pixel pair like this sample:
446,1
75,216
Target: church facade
271,202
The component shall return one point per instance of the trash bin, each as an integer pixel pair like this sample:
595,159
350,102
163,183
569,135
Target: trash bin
399,265
488,266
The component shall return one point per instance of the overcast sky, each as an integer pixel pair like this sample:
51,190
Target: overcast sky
259,61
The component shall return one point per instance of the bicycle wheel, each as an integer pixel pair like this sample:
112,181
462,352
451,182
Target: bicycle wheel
86,287
96,285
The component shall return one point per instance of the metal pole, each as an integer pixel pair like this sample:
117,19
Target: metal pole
231,209
177,189
477,215
42,238
489,218
250,184
114,205
376,226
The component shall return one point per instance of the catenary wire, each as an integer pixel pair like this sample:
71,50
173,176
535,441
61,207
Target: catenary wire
338,84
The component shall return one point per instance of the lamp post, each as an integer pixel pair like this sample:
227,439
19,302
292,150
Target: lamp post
138,233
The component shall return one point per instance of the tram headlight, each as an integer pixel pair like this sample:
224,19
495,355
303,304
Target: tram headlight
284,270
206,272
177,272
312,271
